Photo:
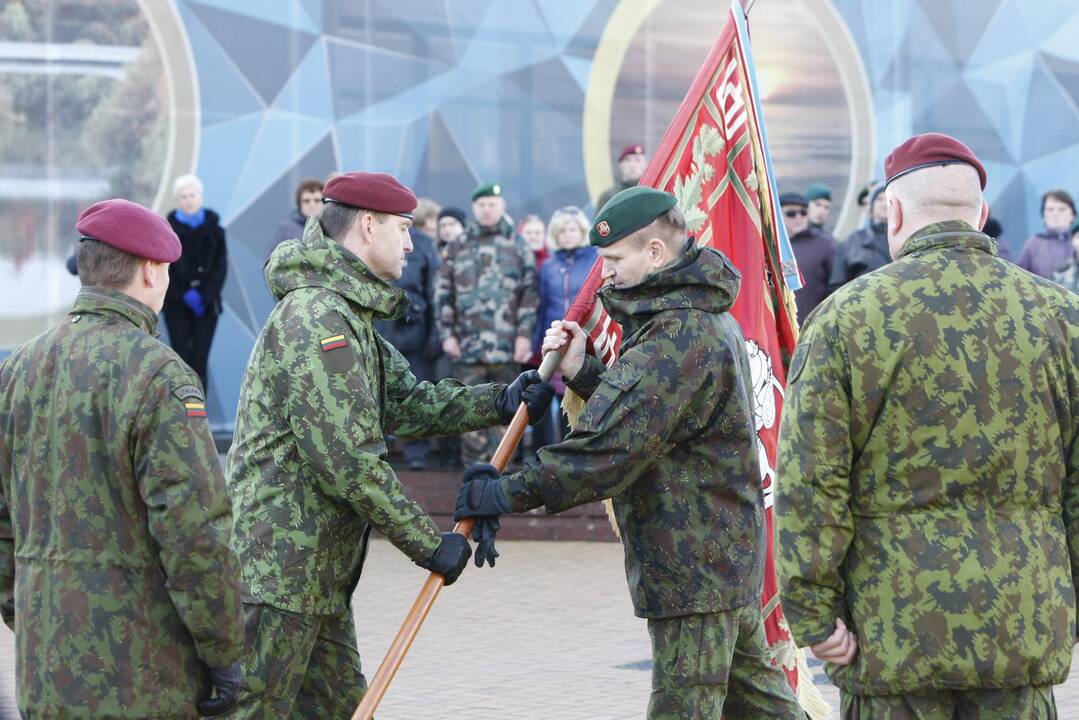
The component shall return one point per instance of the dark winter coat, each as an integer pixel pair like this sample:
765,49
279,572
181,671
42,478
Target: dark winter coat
203,263
415,331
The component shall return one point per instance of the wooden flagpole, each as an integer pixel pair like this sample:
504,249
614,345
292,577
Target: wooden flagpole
431,588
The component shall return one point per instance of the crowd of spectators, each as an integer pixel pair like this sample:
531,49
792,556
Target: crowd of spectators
483,287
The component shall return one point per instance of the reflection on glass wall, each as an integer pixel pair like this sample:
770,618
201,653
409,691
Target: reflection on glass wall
81,90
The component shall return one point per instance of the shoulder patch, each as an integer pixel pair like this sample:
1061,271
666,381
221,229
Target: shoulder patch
338,354
798,362
189,392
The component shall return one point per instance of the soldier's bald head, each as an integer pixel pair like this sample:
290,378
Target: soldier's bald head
937,193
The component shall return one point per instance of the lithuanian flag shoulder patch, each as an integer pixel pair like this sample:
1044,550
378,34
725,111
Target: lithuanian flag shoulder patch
332,343
195,409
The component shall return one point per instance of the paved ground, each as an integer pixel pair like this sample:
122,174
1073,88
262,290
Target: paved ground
549,633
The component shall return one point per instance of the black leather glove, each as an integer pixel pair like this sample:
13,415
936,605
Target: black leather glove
481,494
226,691
530,389
483,533
450,558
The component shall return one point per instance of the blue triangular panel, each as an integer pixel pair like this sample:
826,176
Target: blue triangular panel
372,147
579,69
1059,165
1044,18
999,175
223,150
462,17
281,139
308,90
894,117
886,25
1050,117
313,8
413,150
363,75
514,24
1002,88
229,94
287,13
563,19
1062,42
1006,31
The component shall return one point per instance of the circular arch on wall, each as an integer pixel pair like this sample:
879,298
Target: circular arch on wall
182,84
615,40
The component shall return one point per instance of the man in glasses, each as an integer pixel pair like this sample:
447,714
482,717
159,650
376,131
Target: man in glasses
814,248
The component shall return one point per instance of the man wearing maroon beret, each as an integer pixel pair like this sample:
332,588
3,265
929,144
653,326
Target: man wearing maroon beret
307,469
928,504
116,568
632,163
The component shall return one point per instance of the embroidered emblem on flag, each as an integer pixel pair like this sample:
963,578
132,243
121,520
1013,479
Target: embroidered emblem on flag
195,409
332,343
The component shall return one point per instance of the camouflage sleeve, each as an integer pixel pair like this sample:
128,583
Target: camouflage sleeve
7,562
528,293
189,512
423,409
333,413
7,534
621,432
585,382
446,297
814,526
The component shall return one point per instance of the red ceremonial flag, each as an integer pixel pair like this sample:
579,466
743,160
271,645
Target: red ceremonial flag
714,158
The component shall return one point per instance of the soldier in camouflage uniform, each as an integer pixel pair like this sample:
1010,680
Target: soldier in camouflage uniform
928,503
116,571
487,299
307,469
668,433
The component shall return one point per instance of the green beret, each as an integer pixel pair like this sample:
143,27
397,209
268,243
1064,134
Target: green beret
627,212
818,191
487,190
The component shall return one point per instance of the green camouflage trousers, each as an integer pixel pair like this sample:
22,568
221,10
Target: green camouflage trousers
299,666
706,667
1029,703
480,445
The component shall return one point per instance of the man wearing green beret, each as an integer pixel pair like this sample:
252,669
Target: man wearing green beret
819,197
668,434
487,300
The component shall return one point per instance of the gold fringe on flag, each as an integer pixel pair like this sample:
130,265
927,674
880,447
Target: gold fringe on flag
572,405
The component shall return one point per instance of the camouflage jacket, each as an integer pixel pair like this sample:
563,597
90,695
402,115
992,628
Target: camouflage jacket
487,294
307,468
929,472
668,433
116,570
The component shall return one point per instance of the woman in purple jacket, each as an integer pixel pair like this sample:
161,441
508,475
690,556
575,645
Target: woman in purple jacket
1051,249
561,278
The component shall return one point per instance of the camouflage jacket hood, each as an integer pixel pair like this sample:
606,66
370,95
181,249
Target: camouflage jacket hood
320,262
703,280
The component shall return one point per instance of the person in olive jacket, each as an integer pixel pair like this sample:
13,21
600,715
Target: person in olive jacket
193,300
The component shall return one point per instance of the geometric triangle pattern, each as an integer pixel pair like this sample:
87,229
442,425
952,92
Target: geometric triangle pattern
441,93
1002,75
448,93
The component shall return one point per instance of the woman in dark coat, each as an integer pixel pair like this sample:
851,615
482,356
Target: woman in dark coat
193,300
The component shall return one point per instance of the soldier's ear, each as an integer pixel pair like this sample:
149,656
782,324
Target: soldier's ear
984,215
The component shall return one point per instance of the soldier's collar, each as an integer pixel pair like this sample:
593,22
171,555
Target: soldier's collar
952,233
102,300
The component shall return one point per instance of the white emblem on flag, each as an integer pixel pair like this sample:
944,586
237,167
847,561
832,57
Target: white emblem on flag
765,387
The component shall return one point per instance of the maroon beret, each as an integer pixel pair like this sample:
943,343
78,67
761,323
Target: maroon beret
371,191
130,227
927,150
630,150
